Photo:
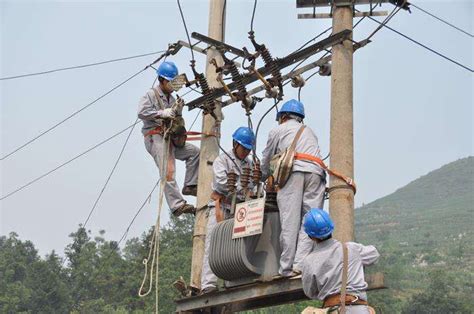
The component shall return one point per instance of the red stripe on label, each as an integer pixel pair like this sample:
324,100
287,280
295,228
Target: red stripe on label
239,229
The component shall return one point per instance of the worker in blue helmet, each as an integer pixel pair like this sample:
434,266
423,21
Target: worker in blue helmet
304,184
155,109
219,205
322,268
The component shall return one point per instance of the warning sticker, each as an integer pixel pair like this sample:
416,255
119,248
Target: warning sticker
248,219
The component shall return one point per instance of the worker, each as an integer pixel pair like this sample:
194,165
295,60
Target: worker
156,109
304,188
323,267
220,204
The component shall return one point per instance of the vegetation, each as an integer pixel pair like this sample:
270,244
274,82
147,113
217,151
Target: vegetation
423,231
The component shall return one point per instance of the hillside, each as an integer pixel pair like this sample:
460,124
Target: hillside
424,232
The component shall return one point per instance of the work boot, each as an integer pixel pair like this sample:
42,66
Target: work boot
184,209
190,190
208,290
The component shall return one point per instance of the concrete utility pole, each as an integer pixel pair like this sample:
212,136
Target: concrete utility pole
341,198
209,147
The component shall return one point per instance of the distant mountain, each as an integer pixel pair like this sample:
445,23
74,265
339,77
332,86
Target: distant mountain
423,228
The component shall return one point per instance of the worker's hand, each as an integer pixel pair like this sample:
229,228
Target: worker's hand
178,105
168,113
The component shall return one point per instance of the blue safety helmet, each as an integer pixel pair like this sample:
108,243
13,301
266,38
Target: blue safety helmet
167,70
291,106
318,224
245,137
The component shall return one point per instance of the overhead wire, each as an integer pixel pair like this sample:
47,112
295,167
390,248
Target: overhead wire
79,66
441,20
67,162
186,29
110,174
253,15
70,116
422,45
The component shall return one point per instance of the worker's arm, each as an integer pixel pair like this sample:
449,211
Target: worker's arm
148,111
368,253
219,176
268,153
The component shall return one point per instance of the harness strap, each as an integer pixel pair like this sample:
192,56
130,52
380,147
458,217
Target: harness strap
198,138
345,266
308,157
157,130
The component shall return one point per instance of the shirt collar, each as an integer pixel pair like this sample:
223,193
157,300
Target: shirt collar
326,244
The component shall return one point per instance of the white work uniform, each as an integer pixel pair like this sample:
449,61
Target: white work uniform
221,166
322,271
150,110
304,190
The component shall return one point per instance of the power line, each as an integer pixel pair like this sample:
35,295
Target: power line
79,66
253,15
186,29
66,163
442,20
422,45
110,174
71,115
138,212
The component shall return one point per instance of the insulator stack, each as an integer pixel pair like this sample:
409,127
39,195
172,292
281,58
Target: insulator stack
245,178
267,58
210,106
257,174
231,181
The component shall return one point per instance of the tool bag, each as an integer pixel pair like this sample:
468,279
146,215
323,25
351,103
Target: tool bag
281,164
176,127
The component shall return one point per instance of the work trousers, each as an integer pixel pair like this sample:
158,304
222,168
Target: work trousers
302,191
208,279
189,153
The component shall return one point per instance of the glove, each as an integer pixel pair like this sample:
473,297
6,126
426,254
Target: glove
168,113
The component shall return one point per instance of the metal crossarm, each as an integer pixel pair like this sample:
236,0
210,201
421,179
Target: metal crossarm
282,63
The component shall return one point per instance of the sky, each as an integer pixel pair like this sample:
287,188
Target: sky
413,111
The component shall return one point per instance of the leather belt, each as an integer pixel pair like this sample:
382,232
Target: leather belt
335,300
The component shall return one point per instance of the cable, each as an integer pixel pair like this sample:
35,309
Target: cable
138,212
441,20
71,115
422,45
261,119
253,15
224,8
110,174
79,66
313,39
186,29
65,163
385,21
195,119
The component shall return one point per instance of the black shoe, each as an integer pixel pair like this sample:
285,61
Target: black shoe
190,190
208,290
184,209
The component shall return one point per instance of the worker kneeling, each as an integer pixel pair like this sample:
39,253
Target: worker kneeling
161,113
300,183
322,273
220,204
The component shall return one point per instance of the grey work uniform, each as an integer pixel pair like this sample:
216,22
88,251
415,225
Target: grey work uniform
221,166
149,110
322,271
303,190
